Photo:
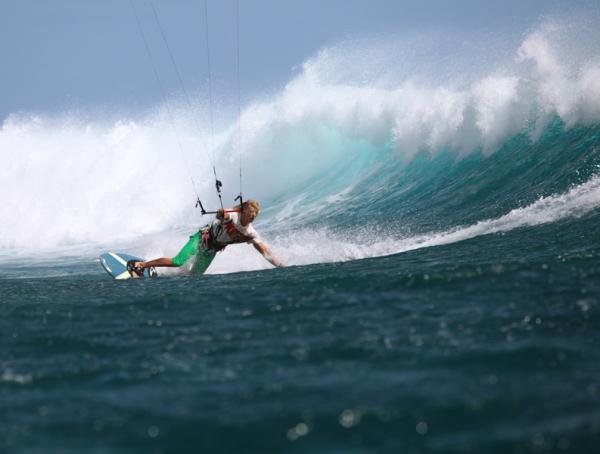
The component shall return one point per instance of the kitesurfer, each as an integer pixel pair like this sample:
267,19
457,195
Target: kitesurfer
230,227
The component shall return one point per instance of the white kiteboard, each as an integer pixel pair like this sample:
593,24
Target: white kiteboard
115,264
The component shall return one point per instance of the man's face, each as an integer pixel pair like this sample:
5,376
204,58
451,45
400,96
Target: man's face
248,215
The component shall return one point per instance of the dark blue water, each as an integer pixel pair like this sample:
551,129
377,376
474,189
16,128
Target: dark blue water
489,342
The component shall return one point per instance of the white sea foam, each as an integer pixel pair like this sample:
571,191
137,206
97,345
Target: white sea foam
73,179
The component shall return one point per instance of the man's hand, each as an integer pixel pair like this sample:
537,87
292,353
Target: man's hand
267,254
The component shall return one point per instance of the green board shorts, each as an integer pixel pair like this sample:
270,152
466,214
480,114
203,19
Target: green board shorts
194,247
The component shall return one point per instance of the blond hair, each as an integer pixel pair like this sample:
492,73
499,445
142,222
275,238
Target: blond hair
249,204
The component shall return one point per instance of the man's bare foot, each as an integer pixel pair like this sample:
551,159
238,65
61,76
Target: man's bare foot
135,269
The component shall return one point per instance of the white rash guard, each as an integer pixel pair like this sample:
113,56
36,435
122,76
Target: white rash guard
231,231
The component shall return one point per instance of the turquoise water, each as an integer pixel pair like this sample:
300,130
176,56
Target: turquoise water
474,328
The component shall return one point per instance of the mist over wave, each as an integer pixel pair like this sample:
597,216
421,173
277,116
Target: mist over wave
356,157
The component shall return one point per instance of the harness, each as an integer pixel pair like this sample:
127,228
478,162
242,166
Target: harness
208,240
208,237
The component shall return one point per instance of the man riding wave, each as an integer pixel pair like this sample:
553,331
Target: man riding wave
230,227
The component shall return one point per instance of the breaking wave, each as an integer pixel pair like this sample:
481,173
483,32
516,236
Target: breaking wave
368,151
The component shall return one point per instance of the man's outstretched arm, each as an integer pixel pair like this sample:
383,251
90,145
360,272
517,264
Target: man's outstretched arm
266,253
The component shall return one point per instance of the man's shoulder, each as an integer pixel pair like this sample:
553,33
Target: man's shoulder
251,232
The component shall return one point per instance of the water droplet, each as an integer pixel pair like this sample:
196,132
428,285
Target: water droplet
153,431
299,430
349,418
422,428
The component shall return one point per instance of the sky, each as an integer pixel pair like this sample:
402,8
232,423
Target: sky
70,55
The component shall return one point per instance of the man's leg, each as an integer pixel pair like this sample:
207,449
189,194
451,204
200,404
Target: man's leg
186,253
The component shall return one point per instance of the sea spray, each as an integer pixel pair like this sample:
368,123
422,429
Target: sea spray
322,152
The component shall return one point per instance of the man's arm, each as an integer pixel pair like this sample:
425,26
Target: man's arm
163,261
266,253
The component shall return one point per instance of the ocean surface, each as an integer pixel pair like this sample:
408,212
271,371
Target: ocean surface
442,287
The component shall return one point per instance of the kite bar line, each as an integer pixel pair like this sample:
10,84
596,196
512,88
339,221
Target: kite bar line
210,149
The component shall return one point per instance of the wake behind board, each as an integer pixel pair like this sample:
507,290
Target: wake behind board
115,264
